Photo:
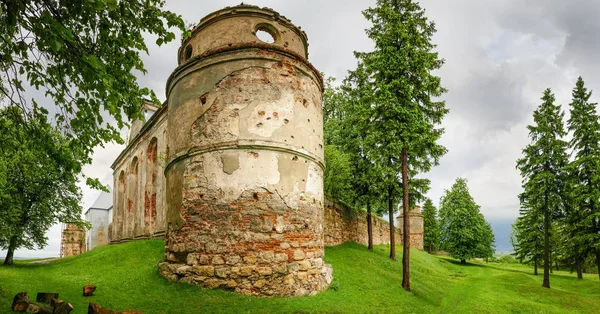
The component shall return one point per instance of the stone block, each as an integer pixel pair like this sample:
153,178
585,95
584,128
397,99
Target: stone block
204,260
233,259
304,265
218,260
260,283
246,271
281,257
250,259
264,270
299,255
221,272
266,257
302,275
192,259
208,271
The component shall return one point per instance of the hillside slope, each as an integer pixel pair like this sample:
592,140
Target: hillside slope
363,282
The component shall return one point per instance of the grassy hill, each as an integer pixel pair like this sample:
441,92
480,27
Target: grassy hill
363,282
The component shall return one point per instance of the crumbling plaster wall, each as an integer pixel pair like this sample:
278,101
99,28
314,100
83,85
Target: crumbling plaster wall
245,170
139,184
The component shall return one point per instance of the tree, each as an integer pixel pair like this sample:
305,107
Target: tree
343,112
464,233
431,230
403,109
38,188
584,214
83,55
527,237
542,168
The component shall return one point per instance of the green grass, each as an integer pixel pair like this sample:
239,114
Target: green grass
367,282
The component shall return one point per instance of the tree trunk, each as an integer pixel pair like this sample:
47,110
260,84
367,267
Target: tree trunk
430,249
598,261
463,261
535,266
11,251
406,220
546,283
392,233
579,271
370,226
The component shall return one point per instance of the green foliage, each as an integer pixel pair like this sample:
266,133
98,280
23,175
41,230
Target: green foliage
507,259
431,233
367,282
338,174
398,92
542,168
464,232
527,236
583,212
38,186
83,55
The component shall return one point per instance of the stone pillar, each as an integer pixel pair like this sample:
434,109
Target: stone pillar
245,158
416,227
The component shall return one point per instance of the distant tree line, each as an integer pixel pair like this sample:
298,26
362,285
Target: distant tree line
559,221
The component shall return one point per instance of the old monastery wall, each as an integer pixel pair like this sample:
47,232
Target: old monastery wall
343,224
139,184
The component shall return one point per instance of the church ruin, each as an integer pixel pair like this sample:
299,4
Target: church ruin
229,171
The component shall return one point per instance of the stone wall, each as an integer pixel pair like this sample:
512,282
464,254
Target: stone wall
416,227
139,184
245,165
343,224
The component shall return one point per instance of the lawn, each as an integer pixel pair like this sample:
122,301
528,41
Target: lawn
364,282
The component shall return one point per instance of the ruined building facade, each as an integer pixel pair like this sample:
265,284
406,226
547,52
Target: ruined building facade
230,169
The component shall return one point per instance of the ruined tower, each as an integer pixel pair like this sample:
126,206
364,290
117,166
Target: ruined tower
245,159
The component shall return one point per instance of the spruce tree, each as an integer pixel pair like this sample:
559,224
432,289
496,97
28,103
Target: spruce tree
542,168
431,228
403,109
584,214
528,238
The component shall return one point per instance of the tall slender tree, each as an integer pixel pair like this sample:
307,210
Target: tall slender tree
543,168
404,113
431,228
584,214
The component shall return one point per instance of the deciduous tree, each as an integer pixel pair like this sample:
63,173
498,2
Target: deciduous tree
464,233
83,56
38,186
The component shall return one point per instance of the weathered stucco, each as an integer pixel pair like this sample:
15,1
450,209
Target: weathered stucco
245,165
416,227
72,241
138,186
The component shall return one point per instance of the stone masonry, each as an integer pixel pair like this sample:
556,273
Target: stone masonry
245,164
230,169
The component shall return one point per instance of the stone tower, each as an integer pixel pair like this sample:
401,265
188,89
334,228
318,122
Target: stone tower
72,241
245,159
416,227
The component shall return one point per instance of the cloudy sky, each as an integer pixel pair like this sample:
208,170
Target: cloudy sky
500,56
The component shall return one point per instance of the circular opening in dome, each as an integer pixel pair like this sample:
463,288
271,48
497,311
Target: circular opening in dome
266,33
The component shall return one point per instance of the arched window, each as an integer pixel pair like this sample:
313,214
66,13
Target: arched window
120,210
132,220
150,188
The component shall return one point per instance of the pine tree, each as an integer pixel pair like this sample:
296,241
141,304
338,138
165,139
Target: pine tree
403,109
542,168
431,229
528,237
584,214
464,233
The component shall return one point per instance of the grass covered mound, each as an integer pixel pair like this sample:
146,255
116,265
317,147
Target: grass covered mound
363,282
